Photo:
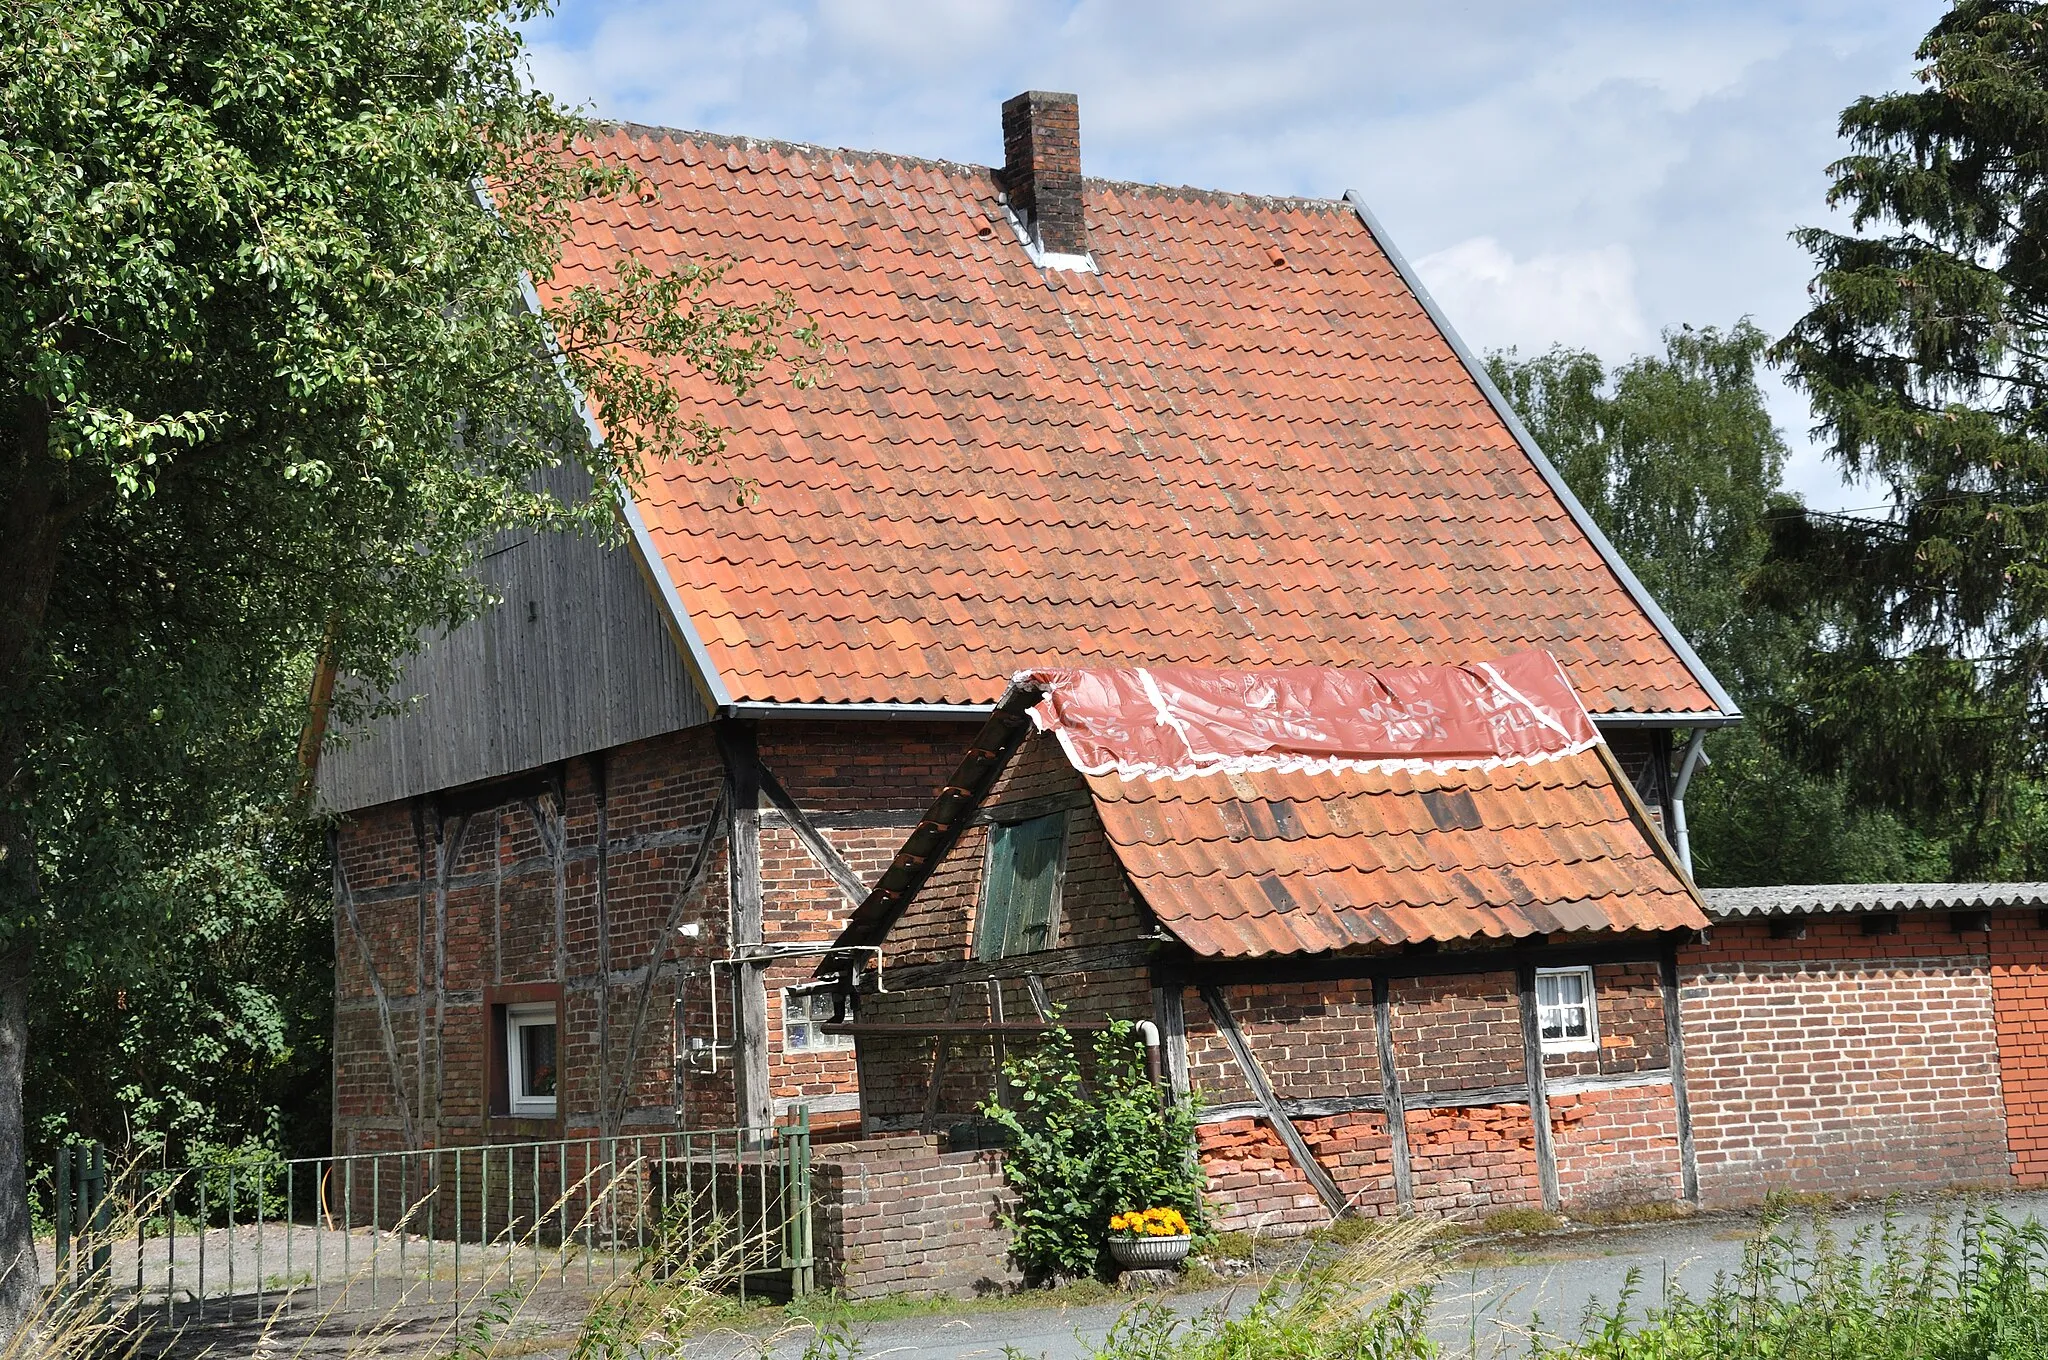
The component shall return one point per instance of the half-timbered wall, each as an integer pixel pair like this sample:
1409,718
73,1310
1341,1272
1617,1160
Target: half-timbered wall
1455,1051
527,902
1096,968
572,883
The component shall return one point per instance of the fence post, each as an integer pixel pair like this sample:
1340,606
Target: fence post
102,1221
796,1203
63,1190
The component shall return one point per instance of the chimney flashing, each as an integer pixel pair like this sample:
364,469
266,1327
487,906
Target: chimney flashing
1043,258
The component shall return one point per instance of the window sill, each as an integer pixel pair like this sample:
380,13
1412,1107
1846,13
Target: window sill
545,1126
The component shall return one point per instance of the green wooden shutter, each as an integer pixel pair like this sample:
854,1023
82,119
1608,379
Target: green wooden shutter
1020,887
996,893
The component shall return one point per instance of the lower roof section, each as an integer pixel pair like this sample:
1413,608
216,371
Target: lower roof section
1823,898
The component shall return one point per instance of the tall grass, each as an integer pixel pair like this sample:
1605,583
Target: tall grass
1366,1301
677,1286
1968,1288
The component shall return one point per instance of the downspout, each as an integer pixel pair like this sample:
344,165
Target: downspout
1149,1032
1695,756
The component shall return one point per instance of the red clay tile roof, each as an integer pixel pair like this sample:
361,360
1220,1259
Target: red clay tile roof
1290,827
1279,862
1304,845
1195,456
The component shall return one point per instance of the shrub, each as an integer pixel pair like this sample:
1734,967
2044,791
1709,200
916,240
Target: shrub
1084,1148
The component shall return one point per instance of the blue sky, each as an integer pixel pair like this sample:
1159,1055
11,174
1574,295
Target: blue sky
1585,173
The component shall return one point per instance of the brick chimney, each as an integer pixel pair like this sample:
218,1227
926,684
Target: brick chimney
1042,168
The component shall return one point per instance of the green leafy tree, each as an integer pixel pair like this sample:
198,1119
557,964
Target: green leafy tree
267,380
1925,354
1675,457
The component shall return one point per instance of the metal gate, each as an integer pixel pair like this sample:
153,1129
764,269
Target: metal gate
436,1229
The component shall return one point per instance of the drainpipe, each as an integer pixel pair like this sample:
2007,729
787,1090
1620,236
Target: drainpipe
1149,1032
1695,756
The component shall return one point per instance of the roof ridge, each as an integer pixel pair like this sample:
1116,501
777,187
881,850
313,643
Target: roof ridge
658,132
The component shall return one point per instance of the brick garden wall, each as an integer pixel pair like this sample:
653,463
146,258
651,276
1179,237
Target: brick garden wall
2019,991
1844,1063
897,1216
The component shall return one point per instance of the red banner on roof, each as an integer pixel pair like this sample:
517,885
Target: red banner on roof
1179,720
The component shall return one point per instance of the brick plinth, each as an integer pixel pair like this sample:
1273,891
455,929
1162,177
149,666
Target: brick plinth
1253,1185
1468,1163
897,1216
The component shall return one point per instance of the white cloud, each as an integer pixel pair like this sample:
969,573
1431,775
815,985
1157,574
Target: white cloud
1584,299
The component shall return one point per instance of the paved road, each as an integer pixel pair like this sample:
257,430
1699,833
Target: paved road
1483,1312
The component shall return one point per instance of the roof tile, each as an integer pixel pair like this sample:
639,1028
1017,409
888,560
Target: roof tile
1193,456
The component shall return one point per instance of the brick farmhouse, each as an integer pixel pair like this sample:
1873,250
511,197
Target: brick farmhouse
597,876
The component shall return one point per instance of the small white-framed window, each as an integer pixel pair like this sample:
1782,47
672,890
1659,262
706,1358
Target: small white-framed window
804,1011
530,1062
1565,1013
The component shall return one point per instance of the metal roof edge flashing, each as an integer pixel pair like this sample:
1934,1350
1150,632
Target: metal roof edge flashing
1730,711
1701,720
1043,258
655,573
887,711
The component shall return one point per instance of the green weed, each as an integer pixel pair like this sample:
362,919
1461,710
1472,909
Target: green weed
1972,1290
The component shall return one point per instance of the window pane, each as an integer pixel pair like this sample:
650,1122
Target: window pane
1546,990
537,1060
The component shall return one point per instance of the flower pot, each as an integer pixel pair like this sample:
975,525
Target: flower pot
1150,1253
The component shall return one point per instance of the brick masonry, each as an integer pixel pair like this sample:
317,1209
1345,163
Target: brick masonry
1844,1062
449,907
895,1215
1616,1146
913,1083
2019,991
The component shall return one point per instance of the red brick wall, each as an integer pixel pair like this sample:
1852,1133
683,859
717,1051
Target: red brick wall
1457,1032
1253,1185
1843,1063
1629,1006
505,922
1096,908
2019,989
1311,1038
1617,1145
866,783
1467,1163
897,1216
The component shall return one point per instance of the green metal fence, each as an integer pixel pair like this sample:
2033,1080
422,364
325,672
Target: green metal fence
439,1228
